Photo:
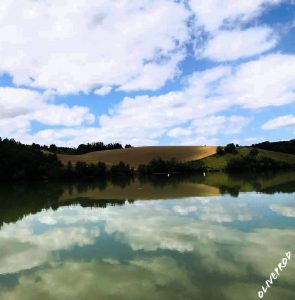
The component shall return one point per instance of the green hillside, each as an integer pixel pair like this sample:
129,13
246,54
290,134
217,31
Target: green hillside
219,162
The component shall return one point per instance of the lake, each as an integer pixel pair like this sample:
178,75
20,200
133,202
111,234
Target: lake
214,237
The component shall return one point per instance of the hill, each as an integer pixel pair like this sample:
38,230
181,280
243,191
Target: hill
281,146
141,155
219,162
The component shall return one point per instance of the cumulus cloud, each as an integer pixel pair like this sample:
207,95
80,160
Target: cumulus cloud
267,81
19,107
72,48
15,102
103,91
100,46
179,132
219,124
235,44
14,127
213,14
202,131
154,75
279,122
132,45
221,34
204,97
63,115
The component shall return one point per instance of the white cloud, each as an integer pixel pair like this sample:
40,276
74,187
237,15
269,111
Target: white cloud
72,48
98,46
154,75
201,130
14,127
214,125
213,14
179,132
267,81
279,122
220,33
205,96
103,91
235,44
15,102
18,107
63,115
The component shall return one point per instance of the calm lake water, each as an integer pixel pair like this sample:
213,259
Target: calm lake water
214,237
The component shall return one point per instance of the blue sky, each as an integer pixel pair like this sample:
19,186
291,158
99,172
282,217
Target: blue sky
147,72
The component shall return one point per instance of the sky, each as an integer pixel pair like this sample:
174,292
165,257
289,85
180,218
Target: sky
147,72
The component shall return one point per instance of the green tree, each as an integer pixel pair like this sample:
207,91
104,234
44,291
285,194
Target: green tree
219,150
230,148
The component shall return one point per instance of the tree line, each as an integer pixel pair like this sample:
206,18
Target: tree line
282,146
28,162
81,149
252,161
19,161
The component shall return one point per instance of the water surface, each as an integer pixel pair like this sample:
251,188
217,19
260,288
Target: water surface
214,237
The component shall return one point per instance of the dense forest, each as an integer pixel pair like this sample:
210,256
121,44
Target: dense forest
19,161
29,162
282,146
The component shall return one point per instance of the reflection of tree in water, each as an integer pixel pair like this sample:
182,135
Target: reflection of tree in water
86,185
18,201
122,181
269,182
162,180
263,182
233,190
101,203
282,188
